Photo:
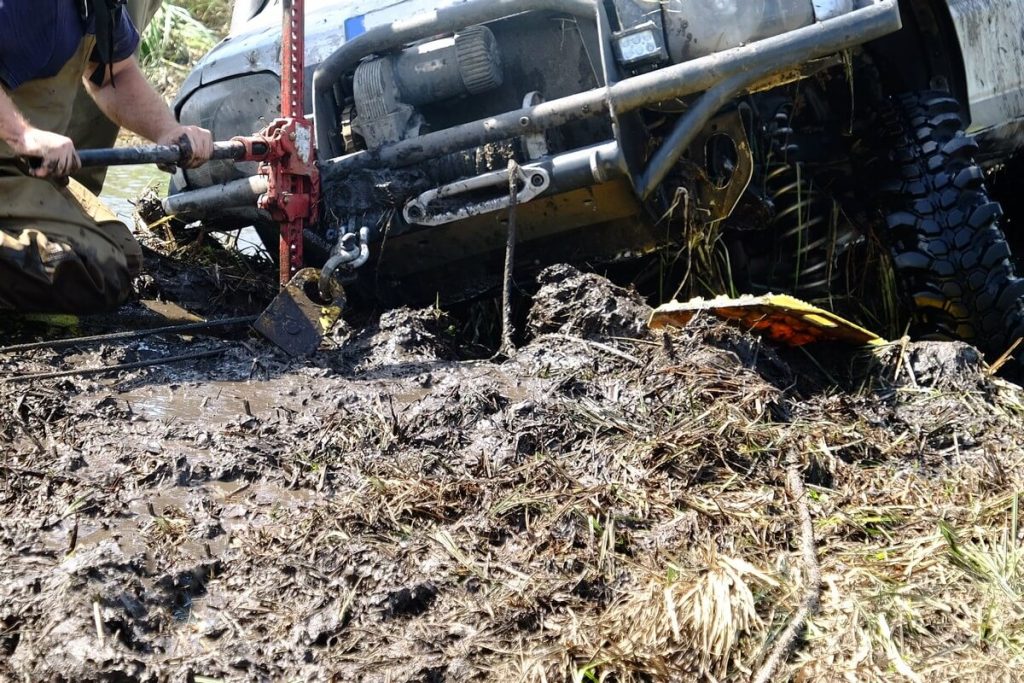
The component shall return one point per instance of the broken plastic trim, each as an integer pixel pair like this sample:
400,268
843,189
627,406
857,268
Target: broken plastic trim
779,317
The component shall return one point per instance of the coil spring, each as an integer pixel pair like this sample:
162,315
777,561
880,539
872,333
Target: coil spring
805,240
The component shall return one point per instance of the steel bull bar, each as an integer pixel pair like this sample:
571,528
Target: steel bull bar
720,77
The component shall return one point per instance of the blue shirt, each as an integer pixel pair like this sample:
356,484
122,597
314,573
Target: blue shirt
38,37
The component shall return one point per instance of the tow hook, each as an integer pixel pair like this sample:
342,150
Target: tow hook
350,252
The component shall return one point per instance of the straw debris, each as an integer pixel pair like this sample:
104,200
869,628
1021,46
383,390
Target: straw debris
385,512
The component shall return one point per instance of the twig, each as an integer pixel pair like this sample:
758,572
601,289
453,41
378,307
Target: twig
134,334
507,348
812,574
1005,358
39,474
82,372
611,350
98,621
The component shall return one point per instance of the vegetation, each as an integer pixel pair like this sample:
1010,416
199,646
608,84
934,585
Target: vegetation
215,14
609,505
179,34
174,39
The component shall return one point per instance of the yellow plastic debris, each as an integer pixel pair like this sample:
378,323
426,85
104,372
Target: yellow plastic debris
779,317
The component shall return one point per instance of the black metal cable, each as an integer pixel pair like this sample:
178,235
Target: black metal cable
82,372
134,334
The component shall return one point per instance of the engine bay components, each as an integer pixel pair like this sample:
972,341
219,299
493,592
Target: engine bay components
388,89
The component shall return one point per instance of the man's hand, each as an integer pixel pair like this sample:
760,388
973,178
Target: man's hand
198,140
134,104
59,158
57,152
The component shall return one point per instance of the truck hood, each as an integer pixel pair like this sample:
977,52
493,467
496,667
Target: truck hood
256,46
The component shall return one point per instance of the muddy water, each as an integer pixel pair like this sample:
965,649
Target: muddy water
380,512
124,185
212,403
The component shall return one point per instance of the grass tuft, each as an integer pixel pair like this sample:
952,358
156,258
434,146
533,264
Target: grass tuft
174,40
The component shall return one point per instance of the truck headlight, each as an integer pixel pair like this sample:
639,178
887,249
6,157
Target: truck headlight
643,43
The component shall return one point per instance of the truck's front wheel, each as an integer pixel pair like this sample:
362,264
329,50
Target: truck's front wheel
951,258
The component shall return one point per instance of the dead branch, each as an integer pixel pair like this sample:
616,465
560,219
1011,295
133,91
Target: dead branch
812,574
507,347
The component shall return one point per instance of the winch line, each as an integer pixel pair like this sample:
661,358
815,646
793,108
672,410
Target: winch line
123,336
508,348
83,372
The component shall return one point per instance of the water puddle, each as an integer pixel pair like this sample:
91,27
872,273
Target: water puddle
125,184
171,516
212,403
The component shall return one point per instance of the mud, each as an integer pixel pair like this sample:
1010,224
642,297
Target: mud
386,512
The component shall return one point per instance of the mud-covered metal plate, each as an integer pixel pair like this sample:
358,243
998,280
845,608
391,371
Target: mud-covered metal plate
297,319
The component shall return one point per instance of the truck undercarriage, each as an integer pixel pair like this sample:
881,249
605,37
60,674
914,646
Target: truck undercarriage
761,140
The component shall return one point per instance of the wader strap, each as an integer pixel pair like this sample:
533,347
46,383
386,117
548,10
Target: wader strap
108,17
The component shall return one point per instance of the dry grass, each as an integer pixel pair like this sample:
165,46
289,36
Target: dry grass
632,526
568,515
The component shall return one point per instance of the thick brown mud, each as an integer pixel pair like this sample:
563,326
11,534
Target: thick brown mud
386,512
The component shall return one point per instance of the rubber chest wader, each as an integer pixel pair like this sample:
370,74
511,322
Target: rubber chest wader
61,250
89,127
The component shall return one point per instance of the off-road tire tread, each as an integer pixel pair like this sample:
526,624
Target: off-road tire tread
950,255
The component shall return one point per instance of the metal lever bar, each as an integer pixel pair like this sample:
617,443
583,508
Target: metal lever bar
162,154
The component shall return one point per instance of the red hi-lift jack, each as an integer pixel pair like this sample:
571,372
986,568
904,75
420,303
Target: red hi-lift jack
297,318
288,158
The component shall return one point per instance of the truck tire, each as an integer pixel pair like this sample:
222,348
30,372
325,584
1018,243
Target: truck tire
951,258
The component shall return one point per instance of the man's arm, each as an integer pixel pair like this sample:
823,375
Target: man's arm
56,151
132,103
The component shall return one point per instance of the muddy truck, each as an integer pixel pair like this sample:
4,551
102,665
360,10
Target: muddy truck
828,149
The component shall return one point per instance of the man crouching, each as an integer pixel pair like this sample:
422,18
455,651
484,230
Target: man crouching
61,250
